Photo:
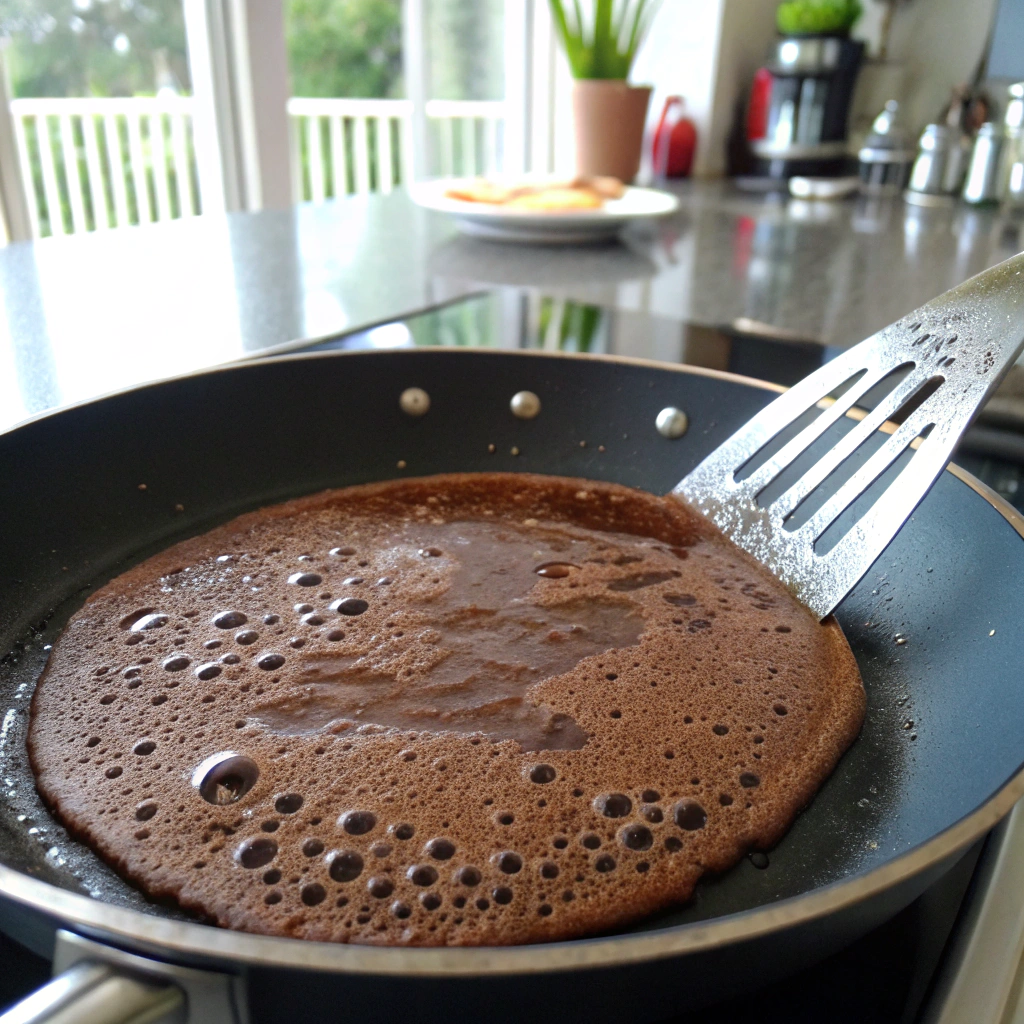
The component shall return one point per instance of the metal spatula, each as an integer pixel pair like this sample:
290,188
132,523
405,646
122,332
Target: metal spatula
953,351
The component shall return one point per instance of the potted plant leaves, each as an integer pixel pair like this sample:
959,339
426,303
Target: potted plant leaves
609,113
817,17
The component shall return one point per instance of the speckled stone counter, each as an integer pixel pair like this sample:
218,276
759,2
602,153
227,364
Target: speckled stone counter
89,314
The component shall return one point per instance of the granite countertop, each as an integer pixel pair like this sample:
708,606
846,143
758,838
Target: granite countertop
89,314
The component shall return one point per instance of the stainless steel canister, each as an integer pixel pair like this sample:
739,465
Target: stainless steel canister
939,166
930,165
886,156
982,184
1011,173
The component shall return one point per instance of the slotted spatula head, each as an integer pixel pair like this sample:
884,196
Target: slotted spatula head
953,351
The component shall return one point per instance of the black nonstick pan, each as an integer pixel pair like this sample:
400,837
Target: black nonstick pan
92,489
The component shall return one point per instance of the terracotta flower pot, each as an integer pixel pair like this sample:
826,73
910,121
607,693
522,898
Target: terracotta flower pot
609,116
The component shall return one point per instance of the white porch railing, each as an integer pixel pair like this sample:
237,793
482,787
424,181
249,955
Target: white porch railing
340,146
90,164
468,136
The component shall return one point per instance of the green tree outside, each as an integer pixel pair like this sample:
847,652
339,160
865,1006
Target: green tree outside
345,47
94,47
335,47
135,47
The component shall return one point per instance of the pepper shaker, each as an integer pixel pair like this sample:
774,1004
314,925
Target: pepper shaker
982,184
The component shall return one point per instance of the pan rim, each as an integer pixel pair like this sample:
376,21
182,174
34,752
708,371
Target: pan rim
285,354
188,940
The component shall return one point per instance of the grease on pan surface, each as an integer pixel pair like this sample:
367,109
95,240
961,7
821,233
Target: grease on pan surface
469,709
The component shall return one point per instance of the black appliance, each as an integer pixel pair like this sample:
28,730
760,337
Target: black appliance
799,105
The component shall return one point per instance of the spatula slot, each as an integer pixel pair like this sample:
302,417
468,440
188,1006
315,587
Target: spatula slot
919,397
859,443
792,429
887,394
856,511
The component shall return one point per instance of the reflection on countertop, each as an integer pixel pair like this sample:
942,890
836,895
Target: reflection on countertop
89,314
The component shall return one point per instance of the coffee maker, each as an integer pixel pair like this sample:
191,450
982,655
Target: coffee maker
798,109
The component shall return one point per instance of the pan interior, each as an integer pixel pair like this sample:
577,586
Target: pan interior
945,723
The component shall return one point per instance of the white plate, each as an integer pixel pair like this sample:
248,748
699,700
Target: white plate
506,224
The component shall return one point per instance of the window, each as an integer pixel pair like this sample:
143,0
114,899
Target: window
101,111
383,90
130,111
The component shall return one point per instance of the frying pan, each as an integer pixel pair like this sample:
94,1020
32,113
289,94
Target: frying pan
939,760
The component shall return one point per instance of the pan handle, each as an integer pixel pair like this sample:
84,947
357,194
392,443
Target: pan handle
97,993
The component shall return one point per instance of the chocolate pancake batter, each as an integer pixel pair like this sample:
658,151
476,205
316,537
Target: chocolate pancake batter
465,709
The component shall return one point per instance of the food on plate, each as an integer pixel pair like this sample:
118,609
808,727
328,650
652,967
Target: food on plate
480,191
551,199
474,709
549,196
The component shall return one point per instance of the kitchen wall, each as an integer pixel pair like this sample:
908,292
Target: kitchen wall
938,42
1006,57
678,59
707,52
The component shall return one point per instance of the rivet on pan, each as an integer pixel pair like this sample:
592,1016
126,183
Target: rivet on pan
525,405
414,401
672,422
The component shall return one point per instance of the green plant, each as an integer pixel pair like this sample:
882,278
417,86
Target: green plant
606,47
817,17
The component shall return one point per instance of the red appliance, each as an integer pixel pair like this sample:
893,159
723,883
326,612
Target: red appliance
675,140
760,104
